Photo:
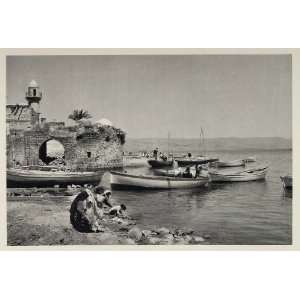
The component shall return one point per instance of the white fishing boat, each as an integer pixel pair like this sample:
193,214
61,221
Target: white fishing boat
21,177
232,163
129,181
250,174
287,181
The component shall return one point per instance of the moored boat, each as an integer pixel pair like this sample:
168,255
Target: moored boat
232,163
38,178
134,161
257,173
195,161
287,181
159,163
129,181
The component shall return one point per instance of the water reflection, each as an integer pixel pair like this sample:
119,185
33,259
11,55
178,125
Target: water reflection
256,212
287,194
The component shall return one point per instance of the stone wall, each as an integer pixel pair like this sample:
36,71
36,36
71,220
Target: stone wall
36,138
15,149
21,116
96,151
84,149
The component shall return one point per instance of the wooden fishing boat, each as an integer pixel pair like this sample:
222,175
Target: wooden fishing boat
195,161
159,163
162,163
258,173
38,178
129,181
287,181
232,163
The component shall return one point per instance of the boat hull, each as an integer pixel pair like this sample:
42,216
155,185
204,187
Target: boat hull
243,176
22,178
128,181
190,162
287,182
160,163
163,172
229,164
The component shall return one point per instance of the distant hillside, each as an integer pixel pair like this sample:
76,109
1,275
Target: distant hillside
215,144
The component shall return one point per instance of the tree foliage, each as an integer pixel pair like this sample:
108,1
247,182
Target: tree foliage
79,114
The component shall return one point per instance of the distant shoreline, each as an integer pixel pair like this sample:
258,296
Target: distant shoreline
209,145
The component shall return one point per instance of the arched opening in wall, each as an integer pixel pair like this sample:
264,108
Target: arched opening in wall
52,152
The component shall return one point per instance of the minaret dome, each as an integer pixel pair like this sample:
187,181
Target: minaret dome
33,93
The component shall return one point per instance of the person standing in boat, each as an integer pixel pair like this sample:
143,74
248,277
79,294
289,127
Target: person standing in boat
187,173
198,170
155,153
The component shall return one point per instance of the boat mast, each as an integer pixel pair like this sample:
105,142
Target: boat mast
199,143
203,141
168,144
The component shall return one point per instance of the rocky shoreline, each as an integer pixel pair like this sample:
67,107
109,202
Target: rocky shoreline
42,218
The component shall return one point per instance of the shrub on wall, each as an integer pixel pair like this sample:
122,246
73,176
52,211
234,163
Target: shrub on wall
109,132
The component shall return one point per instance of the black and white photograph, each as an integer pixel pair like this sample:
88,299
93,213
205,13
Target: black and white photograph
149,149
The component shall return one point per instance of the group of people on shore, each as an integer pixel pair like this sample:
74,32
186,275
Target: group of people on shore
103,198
89,207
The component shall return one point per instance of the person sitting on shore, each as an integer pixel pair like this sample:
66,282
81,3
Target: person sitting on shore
118,210
85,215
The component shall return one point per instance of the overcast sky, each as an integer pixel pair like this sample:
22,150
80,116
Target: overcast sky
147,96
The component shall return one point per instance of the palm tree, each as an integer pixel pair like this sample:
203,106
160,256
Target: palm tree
79,114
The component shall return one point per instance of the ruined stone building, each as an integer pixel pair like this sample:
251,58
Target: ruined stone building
86,146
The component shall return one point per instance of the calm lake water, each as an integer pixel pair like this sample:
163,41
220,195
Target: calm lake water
253,213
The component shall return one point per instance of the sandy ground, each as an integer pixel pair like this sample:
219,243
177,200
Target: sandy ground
47,222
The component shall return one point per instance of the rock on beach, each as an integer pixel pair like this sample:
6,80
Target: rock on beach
135,233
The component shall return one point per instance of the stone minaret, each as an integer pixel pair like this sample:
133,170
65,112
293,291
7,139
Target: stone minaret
34,95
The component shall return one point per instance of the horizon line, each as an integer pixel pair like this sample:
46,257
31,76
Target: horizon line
225,137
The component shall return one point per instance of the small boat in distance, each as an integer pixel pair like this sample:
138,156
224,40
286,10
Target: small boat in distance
162,162
232,163
129,181
250,174
41,178
250,159
287,182
134,161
